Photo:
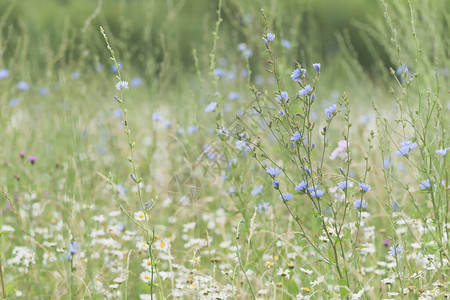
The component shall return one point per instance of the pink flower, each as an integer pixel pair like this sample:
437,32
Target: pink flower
32,159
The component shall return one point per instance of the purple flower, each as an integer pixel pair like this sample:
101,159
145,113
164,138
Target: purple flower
386,163
114,67
298,74
317,193
283,95
286,196
317,67
257,190
402,151
296,136
342,185
408,144
32,159
136,81
273,171
330,110
313,190
305,90
276,184
99,67
442,152
23,86
358,204
301,186
426,184
73,248
263,206
122,85
286,44
13,102
4,73
396,251
211,107
218,72
76,75
405,146
270,36
364,187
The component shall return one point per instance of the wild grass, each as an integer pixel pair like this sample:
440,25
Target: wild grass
132,176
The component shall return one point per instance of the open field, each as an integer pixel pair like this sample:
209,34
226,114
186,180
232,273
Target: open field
224,149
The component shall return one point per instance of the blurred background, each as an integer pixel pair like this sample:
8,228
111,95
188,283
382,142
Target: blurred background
147,33
166,42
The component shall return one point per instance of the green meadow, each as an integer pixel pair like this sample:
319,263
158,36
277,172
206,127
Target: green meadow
224,149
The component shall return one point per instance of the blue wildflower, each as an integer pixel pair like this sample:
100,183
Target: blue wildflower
157,117
270,37
396,251
211,107
297,74
402,69
121,189
273,171
114,67
44,91
242,46
317,67
442,152
426,184
13,102
364,187
341,170
305,90
405,147
283,95
282,112
296,136
286,44
342,185
218,72
192,129
76,75
317,193
276,184
301,186
313,190
286,196
74,247
122,85
233,96
23,86
4,73
263,206
136,81
330,110
257,190
358,203
386,163
402,151
99,67
408,144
